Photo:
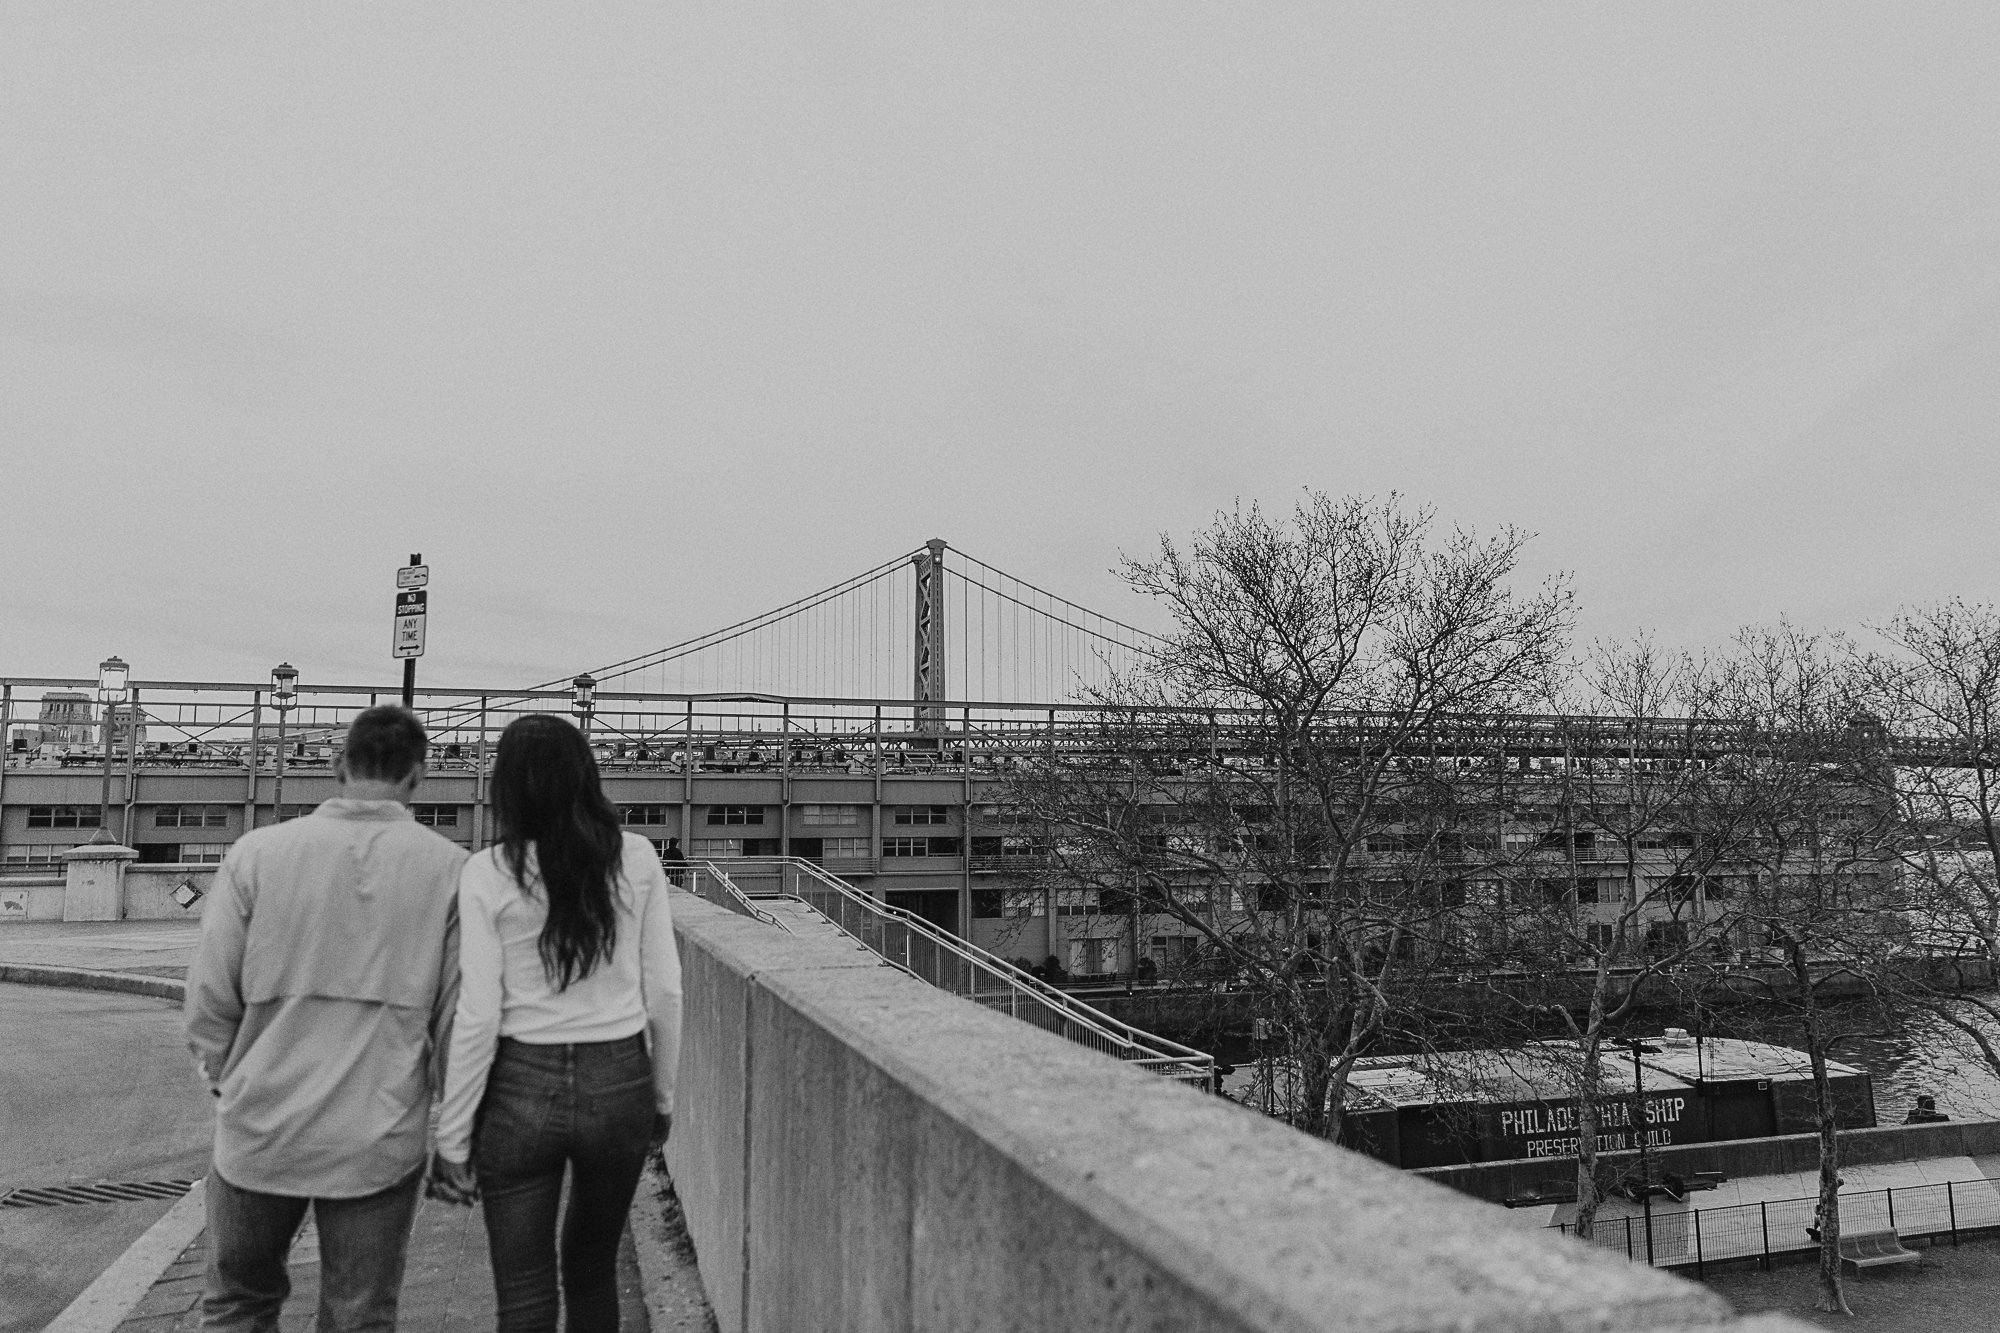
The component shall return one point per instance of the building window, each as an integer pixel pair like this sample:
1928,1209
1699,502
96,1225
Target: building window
920,814
735,814
62,816
1076,902
50,855
653,815
920,846
829,816
713,849
203,853
436,816
290,811
844,849
191,816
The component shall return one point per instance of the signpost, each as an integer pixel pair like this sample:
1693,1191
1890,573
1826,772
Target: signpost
412,606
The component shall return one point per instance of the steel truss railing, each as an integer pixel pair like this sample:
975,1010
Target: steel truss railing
1696,1237
205,724
951,964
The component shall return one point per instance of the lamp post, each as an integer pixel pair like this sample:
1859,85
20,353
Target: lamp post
113,687
583,699
283,696
1637,1047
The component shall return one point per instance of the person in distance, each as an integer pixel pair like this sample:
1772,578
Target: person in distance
326,972
566,1038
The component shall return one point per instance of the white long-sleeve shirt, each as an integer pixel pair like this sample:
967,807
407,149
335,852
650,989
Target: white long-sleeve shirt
505,992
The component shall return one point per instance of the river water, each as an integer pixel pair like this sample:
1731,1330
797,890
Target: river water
1917,1053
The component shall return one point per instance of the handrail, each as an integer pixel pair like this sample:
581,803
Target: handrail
944,960
724,894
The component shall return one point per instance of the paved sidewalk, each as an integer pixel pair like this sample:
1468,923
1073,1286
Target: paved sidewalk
447,1285
143,948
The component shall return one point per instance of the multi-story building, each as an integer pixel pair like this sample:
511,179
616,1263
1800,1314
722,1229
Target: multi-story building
921,817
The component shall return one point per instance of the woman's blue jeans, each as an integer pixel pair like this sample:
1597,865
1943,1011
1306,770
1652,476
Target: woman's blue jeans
587,1107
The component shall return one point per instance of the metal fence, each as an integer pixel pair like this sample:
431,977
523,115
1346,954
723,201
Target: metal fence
1695,1237
206,724
943,960
711,883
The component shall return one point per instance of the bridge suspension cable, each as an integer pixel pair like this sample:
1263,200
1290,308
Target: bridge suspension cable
929,624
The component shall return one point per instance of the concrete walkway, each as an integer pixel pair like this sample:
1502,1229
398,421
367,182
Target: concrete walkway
1753,1215
448,1283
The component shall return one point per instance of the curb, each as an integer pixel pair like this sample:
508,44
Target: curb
671,1281
103,1304
90,978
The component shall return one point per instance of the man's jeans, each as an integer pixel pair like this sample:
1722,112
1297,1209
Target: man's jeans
587,1106
361,1247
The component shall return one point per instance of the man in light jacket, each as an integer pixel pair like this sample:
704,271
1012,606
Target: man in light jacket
319,997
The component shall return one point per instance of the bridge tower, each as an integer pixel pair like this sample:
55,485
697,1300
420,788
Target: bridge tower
930,637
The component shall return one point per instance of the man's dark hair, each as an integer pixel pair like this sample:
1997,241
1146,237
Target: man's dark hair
385,743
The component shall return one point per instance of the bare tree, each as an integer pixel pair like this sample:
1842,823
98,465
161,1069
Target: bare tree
1285,777
1822,825
1621,871
1937,687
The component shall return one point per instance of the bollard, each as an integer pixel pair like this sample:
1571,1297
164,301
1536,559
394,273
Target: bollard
1764,1216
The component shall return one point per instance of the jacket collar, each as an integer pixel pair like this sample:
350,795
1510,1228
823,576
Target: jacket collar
341,807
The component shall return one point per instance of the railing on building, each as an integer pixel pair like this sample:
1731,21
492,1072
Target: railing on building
710,882
1696,1237
204,724
943,960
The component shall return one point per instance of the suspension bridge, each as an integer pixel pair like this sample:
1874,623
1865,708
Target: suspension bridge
920,627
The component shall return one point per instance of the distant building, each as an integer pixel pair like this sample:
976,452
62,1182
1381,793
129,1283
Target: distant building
68,718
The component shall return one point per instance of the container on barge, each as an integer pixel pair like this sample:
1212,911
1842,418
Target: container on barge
1454,1107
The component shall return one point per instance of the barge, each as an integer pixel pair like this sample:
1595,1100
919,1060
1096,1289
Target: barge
1456,1107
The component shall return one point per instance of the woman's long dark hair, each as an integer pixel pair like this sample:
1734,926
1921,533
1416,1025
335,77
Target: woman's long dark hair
546,792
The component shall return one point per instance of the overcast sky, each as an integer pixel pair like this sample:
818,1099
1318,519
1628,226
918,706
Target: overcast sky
638,320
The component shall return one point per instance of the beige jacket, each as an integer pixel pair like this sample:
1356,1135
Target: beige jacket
324,982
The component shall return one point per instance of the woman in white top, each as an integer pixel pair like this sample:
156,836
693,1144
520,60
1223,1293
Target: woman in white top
567,967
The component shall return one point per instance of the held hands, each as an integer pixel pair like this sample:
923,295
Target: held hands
452,1182
663,1125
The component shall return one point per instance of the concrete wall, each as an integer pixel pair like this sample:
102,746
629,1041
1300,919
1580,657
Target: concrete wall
149,889
31,898
145,895
1733,1157
855,1150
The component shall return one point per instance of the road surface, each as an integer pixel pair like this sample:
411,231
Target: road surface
93,1087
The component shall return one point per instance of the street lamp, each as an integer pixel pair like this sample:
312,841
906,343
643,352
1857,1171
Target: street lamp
583,698
113,687
1638,1047
283,697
